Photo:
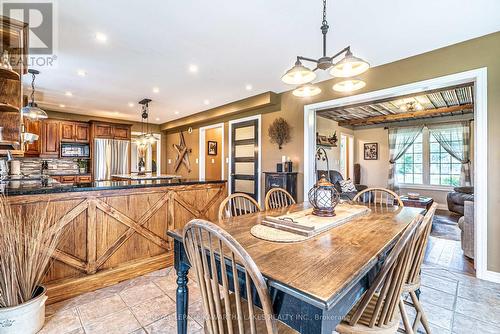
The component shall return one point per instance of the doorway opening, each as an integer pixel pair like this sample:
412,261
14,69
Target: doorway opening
211,153
149,151
368,146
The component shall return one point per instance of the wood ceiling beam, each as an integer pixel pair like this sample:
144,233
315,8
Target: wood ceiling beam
405,116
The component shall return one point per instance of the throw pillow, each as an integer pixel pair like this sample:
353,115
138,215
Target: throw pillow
347,186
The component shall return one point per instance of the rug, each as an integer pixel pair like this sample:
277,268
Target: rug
445,226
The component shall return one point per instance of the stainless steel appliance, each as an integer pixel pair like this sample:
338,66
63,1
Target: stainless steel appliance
111,156
72,150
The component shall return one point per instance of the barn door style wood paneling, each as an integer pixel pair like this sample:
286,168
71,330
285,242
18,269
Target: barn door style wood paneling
245,158
116,235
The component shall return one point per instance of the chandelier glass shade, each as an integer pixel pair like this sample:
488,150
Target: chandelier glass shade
349,66
349,85
32,111
307,90
298,75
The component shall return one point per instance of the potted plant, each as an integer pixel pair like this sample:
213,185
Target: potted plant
82,166
28,238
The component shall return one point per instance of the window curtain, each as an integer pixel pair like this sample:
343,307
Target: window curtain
455,139
400,139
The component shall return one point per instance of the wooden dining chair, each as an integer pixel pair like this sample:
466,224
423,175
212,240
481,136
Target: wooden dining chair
278,198
236,205
229,311
378,196
412,283
377,311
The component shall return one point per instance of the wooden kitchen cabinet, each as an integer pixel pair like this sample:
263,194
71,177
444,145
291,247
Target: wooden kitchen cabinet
111,130
74,132
68,179
83,178
50,139
35,127
121,132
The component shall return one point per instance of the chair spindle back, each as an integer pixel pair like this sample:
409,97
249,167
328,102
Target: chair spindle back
380,196
237,204
278,198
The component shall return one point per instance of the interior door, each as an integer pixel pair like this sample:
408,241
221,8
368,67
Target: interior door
245,158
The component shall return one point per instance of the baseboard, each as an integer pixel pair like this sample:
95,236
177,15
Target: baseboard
72,287
491,276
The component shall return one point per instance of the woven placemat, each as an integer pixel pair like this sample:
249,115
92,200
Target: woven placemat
344,213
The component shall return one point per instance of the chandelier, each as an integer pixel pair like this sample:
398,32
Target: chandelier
348,67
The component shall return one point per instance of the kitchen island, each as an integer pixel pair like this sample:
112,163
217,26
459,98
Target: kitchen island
115,230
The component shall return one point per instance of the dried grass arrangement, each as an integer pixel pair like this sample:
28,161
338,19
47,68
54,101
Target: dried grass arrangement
28,238
279,132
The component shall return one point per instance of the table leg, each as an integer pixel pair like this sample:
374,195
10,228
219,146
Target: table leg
182,298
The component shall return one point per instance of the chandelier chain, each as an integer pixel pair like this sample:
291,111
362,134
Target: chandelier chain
324,14
33,88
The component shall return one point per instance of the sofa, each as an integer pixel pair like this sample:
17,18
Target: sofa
466,225
335,177
457,197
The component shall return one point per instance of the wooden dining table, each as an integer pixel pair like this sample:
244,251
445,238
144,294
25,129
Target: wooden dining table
313,283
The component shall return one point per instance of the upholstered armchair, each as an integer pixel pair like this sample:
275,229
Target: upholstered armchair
335,178
457,197
466,224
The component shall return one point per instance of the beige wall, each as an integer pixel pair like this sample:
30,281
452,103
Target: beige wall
473,54
213,163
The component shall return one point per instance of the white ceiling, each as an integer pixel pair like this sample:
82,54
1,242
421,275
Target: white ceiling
234,43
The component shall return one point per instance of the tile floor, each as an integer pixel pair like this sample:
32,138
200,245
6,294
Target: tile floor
454,303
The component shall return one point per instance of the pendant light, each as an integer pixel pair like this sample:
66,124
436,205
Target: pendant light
307,90
31,110
146,137
350,85
347,67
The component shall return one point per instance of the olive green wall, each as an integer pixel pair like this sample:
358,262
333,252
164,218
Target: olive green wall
472,54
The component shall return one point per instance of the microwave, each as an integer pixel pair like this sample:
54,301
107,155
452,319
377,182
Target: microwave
72,150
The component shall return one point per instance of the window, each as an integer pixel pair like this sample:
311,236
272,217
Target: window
444,169
427,163
409,168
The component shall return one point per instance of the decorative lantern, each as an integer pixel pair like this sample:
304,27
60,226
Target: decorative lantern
324,198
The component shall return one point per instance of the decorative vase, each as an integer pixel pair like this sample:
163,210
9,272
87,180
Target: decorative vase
82,170
26,318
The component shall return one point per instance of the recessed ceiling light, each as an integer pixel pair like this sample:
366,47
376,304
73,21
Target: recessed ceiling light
157,118
81,73
193,68
156,90
248,87
176,112
206,102
68,93
131,104
62,106
100,37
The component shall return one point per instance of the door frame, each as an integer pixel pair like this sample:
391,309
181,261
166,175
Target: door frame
479,77
259,144
202,150
349,153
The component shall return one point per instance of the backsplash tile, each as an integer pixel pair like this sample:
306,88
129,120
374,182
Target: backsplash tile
56,166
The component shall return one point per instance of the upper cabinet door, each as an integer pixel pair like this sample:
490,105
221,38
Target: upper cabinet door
103,131
82,132
33,150
68,131
50,138
121,132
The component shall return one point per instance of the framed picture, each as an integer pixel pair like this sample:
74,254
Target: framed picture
212,147
371,151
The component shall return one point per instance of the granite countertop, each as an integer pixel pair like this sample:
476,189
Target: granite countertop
15,188
147,176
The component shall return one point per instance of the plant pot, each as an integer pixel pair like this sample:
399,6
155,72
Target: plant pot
26,318
82,170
